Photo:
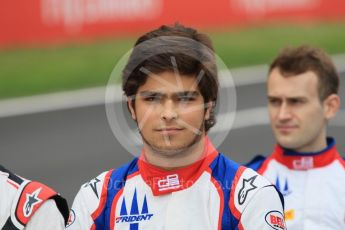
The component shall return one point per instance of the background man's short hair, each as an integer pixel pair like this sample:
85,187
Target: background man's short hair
294,61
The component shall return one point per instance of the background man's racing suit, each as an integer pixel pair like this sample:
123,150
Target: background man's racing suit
313,185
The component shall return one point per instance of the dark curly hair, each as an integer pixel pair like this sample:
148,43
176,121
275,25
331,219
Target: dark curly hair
192,51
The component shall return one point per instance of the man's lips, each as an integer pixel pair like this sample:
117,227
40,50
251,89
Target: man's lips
286,128
169,130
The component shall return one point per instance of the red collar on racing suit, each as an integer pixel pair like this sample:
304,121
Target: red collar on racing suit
166,181
304,161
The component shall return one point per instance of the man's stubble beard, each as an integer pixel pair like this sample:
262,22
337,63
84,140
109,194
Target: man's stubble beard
181,151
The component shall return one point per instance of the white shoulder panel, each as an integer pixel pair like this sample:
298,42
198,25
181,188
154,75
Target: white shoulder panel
87,202
249,183
92,191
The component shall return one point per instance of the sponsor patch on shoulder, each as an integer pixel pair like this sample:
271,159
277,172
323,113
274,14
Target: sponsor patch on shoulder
93,185
71,218
275,219
33,195
247,186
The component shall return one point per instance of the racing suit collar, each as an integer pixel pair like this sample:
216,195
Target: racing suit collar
304,161
167,181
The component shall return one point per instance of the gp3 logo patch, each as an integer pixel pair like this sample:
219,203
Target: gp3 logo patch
275,219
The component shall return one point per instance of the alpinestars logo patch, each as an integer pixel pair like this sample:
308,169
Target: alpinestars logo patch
93,185
30,202
247,186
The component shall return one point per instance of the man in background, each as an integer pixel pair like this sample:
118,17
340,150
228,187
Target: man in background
302,90
29,205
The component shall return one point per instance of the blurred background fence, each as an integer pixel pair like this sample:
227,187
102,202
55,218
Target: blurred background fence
50,21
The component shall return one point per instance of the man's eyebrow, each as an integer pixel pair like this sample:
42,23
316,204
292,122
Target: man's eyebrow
288,98
272,97
150,93
187,93
298,98
178,94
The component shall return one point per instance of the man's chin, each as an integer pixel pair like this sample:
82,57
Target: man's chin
174,147
287,143
170,149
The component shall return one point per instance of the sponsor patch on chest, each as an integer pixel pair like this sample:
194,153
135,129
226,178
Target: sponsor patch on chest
137,213
275,219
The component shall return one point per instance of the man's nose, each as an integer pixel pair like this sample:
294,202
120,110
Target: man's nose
169,111
284,112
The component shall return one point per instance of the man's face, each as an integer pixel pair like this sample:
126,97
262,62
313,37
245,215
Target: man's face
297,115
170,112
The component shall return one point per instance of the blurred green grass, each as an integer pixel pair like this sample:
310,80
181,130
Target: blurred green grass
29,71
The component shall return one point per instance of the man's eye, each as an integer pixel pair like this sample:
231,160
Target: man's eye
152,99
186,99
274,101
296,101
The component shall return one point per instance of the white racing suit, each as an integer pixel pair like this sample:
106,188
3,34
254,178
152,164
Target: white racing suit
313,185
213,193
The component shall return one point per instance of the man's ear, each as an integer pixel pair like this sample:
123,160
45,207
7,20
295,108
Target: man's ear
331,106
209,106
130,104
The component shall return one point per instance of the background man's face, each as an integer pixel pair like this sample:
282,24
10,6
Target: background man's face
170,112
296,112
